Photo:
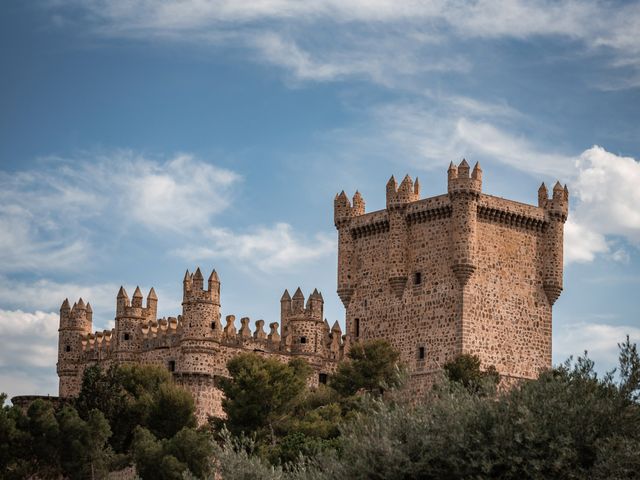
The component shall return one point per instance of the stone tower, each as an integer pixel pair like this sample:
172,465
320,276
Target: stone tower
74,322
304,329
463,272
130,317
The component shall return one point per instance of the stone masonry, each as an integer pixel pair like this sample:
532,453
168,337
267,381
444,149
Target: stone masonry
463,272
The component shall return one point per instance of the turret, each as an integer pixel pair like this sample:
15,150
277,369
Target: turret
200,307
397,200
556,211
464,192
343,214
304,331
543,196
136,300
74,323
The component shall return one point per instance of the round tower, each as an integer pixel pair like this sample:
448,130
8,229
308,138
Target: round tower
74,322
200,307
306,325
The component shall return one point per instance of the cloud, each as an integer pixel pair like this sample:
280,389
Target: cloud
29,338
50,215
330,39
268,248
599,339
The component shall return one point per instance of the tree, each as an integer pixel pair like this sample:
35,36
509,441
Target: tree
136,395
260,391
372,366
465,369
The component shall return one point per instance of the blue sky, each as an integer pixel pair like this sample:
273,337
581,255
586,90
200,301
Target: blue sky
142,138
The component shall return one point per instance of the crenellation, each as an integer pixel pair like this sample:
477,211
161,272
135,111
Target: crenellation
461,272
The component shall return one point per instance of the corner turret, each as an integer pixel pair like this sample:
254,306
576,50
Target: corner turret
556,211
464,191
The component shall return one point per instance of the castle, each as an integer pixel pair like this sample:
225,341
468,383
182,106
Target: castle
463,272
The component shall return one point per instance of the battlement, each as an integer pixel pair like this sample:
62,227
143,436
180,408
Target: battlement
194,291
134,308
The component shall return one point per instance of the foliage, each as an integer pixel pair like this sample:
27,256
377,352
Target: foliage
260,392
567,424
465,369
167,459
75,440
372,367
136,395
47,443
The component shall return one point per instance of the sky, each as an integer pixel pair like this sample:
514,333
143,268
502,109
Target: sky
139,139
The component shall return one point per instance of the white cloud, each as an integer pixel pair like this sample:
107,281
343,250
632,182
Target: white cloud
269,248
581,244
29,339
49,214
599,339
326,40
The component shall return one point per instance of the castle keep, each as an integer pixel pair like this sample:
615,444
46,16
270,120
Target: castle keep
463,272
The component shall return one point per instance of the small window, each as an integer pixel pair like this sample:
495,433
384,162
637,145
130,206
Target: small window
172,365
421,353
126,336
357,325
322,378
67,348
303,339
213,325
417,278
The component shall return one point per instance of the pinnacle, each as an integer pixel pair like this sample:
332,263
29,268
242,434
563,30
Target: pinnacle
65,305
198,275
336,327
214,276
543,187
81,304
557,186
357,196
122,293
452,166
392,181
152,295
88,308
464,163
298,294
136,294
285,296
187,276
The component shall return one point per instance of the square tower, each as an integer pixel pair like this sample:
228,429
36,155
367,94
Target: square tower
463,272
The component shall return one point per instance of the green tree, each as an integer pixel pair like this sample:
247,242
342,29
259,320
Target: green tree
372,367
260,392
465,369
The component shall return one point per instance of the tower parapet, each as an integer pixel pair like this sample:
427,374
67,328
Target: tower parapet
131,316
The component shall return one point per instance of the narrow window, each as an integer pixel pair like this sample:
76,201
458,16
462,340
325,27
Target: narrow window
172,365
303,339
126,336
417,278
67,348
357,322
421,353
322,378
213,325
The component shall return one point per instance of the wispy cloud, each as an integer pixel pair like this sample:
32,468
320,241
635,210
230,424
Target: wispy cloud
271,249
330,39
50,213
